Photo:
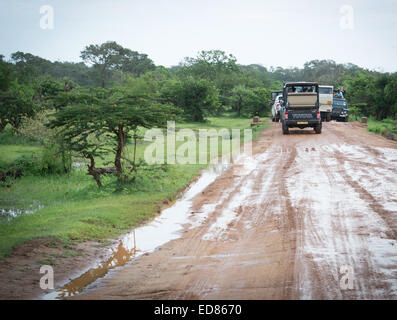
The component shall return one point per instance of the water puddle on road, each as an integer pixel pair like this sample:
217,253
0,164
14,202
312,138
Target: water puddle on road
164,228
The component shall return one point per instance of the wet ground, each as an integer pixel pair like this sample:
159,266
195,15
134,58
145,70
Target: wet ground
143,240
284,224
12,209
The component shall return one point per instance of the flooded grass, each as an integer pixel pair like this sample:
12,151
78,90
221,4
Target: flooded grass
70,207
75,209
12,209
166,227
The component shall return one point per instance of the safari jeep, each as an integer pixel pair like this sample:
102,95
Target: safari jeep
273,97
326,98
301,106
340,110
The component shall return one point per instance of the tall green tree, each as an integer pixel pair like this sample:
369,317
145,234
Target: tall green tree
198,98
16,102
249,101
110,56
391,95
29,67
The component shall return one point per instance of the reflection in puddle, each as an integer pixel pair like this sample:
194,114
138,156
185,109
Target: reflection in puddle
10,209
120,256
164,228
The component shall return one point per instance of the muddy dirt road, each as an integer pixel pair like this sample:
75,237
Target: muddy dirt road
281,225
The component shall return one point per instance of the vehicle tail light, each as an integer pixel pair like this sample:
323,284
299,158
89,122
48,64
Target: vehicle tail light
318,115
286,115
278,106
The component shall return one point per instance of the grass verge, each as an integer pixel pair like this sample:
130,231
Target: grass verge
379,127
71,207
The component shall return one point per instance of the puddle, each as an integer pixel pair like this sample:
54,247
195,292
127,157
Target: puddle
164,228
78,164
11,209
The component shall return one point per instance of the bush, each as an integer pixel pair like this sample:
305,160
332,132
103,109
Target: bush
379,127
9,137
51,161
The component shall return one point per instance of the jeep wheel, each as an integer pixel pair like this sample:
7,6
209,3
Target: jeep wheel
328,117
347,119
285,129
318,128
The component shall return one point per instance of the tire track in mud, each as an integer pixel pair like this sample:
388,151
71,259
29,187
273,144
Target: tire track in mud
309,275
377,207
371,278
291,223
380,163
348,245
257,210
280,241
380,160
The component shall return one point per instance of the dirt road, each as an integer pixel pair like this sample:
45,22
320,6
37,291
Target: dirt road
281,225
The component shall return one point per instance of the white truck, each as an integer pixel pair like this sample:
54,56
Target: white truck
326,94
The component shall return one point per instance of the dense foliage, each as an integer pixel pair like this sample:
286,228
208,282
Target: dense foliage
83,108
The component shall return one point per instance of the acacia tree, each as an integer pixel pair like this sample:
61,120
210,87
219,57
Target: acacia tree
91,122
82,134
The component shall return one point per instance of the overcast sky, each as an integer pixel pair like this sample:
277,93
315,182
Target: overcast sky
272,33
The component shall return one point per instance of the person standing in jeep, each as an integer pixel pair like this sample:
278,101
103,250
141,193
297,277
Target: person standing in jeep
301,106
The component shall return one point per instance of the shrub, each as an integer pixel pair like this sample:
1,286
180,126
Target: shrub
51,161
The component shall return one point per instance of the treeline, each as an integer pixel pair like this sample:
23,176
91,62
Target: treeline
83,108
95,108
207,84
370,93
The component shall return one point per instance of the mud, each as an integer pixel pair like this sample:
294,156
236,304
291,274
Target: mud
20,271
281,225
278,225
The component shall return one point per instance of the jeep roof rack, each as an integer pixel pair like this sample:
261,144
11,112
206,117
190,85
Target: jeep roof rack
297,83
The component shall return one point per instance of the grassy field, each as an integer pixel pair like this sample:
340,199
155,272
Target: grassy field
9,153
378,127
72,207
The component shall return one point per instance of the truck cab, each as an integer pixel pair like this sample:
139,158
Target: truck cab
326,98
300,106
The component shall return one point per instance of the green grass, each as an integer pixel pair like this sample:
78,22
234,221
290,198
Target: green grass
378,127
9,153
73,208
47,261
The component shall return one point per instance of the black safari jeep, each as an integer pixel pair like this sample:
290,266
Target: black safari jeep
300,106
340,110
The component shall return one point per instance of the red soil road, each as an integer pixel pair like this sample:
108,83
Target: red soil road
281,225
